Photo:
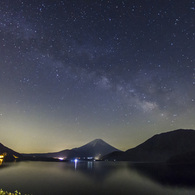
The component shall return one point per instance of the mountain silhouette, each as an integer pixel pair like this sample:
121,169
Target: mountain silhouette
159,148
10,154
184,158
95,149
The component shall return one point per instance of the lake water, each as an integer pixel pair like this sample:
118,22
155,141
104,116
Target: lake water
55,178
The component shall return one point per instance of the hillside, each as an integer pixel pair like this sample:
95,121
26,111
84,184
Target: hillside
160,147
10,154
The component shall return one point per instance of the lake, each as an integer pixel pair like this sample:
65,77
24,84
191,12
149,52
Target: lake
48,178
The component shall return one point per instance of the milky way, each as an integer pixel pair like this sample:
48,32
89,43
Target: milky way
73,71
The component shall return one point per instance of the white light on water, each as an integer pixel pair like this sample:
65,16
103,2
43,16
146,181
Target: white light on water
75,163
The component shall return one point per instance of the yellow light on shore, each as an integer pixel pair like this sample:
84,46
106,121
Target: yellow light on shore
1,158
1,161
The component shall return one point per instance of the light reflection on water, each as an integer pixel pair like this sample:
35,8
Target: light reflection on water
96,178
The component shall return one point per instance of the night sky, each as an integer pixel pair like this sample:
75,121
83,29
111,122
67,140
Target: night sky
75,70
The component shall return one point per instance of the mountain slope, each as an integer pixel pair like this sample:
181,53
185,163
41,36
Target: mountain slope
97,147
160,148
184,158
9,153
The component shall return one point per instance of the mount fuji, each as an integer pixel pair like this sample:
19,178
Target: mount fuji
93,150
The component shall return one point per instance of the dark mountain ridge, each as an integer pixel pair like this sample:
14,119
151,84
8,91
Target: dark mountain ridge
160,147
10,154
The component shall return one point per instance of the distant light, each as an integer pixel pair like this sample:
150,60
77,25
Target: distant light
75,160
61,158
3,155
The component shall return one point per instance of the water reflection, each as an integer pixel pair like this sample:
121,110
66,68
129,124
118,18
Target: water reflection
96,178
167,175
75,164
90,165
96,171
